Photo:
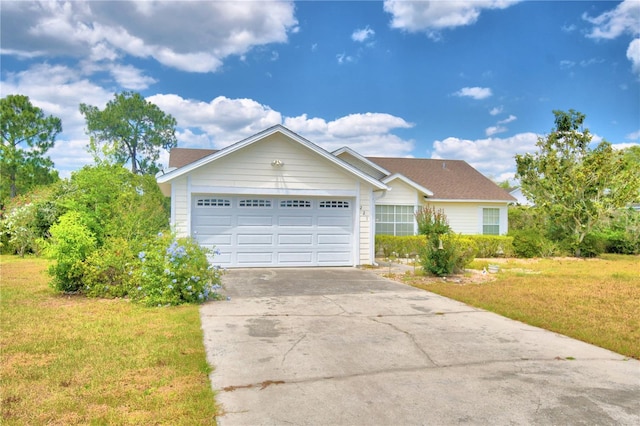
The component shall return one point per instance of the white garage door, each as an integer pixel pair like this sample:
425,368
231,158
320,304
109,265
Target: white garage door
267,231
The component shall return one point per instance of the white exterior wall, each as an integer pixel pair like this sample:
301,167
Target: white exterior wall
180,207
304,173
466,217
251,168
400,194
365,217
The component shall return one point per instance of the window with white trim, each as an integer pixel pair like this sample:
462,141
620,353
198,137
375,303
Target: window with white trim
213,202
491,221
334,204
395,220
303,204
254,203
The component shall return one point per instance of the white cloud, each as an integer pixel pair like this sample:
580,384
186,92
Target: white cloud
633,54
431,17
625,18
493,130
224,121
567,64
344,58
634,135
368,134
130,77
474,92
508,119
621,146
496,110
109,30
363,34
494,157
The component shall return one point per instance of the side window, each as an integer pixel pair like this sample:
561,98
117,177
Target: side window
490,221
395,220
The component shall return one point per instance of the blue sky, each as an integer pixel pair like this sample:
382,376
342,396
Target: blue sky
471,80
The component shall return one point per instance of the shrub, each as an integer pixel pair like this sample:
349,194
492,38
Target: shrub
447,254
593,245
492,245
402,246
622,232
115,202
528,243
72,243
26,220
432,221
107,272
172,271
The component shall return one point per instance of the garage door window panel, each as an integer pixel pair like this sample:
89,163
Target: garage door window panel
299,204
213,202
250,203
334,204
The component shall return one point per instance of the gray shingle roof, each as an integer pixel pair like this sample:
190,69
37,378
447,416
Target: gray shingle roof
179,157
447,179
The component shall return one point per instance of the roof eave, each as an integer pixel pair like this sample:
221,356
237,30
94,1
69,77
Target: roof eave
261,135
468,200
409,182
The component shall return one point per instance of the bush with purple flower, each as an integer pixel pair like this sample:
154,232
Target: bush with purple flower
173,271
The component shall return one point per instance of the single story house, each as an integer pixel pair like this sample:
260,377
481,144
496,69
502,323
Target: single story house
277,199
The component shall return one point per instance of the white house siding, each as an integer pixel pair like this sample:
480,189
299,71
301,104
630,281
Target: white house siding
400,194
304,173
365,217
179,207
466,217
251,168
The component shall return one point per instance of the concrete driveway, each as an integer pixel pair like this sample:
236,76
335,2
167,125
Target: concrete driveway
342,346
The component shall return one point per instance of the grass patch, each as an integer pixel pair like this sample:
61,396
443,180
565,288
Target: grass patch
593,300
74,360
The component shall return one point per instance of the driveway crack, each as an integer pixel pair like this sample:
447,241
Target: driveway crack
335,303
410,336
284,357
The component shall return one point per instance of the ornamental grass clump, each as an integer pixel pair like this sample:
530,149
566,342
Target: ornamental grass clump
173,271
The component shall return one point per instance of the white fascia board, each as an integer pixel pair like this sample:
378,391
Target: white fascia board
228,190
346,149
408,182
449,200
261,135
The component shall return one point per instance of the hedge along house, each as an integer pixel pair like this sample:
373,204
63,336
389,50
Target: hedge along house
277,199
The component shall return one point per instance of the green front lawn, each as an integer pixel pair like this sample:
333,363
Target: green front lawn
594,300
75,360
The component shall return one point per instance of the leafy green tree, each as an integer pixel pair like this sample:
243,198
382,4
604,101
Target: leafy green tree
133,130
27,135
574,185
115,203
632,159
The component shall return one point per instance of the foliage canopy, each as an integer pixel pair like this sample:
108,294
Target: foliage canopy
131,130
576,186
27,134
